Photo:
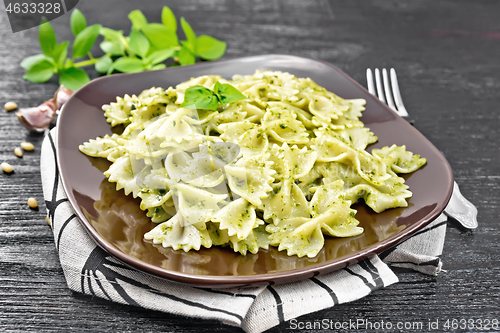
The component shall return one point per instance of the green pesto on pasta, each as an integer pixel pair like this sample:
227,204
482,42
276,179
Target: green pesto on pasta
280,168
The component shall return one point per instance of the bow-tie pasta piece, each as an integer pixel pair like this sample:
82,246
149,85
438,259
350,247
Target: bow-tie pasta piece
164,212
301,115
257,239
177,234
398,159
105,147
349,119
287,200
306,241
332,149
302,161
178,129
251,137
195,204
250,177
324,108
154,189
230,115
282,125
238,218
158,214
200,171
122,173
119,112
357,138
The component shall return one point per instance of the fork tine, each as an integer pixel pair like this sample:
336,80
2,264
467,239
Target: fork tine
397,94
378,82
388,95
369,82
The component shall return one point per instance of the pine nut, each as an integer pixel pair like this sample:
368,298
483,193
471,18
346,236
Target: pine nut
10,106
18,152
32,203
6,167
48,220
28,146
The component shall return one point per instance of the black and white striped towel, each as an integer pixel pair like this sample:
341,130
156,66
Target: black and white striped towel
90,270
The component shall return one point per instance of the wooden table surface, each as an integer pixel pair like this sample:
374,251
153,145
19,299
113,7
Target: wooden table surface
446,55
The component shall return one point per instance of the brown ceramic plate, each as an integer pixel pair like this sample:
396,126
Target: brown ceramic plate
117,224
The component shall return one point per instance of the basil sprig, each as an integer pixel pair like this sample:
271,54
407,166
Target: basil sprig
147,47
204,98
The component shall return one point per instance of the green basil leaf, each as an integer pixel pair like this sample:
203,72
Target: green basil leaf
60,53
160,36
138,43
128,65
227,93
85,39
103,64
159,56
40,72
68,63
190,35
217,88
168,18
159,66
201,97
111,35
152,49
47,38
138,19
113,48
77,22
73,78
209,48
113,41
28,62
185,56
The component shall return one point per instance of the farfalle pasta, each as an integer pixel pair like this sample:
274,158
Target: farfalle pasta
281,167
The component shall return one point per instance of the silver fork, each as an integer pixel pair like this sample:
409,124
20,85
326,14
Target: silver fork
458,208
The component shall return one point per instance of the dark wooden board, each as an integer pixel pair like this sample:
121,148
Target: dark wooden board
446,56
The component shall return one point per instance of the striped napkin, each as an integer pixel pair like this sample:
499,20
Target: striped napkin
90,270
